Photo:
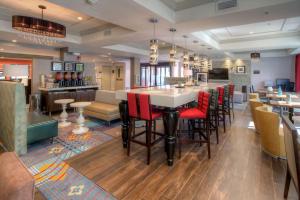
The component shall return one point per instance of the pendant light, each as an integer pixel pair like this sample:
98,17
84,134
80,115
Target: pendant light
255,57
153,45
172,52
186,56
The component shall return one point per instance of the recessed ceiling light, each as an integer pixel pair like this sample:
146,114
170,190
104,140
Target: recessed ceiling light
108,53
251,32
14,41
1,49
79,18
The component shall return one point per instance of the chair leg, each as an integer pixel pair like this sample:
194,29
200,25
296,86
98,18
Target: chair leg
216,124
224,119
287,183
232,108
208,138
148,141
154,129
131,128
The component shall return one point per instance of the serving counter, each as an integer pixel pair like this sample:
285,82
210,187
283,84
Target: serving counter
80,93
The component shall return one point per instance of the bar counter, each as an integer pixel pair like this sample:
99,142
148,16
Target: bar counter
169,97
79,93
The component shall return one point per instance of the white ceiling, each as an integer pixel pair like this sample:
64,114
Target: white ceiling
122,27
280,26
184,4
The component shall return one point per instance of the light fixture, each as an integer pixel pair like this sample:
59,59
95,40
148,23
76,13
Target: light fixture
14,41
37,29
153,45
186,57
196,61
251,32
1,49
255,57
79,18
172,52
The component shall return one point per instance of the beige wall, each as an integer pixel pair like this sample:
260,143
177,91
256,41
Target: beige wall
43,66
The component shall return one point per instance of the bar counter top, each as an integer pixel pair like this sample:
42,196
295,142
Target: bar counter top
68,88
169,95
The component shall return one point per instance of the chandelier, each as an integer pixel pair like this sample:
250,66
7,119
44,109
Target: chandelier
196,61
186,57
153,46
172,52
37,29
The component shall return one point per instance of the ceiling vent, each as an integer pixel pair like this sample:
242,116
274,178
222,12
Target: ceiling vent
225,4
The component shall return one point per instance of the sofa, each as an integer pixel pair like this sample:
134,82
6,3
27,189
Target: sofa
18,127
105,106
16,182
271,133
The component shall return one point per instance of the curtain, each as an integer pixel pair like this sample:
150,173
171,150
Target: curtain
297,73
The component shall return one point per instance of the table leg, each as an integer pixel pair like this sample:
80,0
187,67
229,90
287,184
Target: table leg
170,119
124,115
80,121
291,112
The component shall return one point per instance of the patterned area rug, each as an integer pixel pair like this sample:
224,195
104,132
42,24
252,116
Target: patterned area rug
54,177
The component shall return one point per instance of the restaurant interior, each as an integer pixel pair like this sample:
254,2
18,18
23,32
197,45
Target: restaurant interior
139,99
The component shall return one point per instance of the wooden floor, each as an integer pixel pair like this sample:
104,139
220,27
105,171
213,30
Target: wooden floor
237,170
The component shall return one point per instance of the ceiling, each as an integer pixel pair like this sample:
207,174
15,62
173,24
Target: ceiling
280,26
122,28
184,4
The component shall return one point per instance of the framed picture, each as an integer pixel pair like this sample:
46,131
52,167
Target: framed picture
57,66
69,66
201,78
256,71
240,69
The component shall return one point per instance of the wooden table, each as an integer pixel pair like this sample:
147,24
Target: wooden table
168,97
289,105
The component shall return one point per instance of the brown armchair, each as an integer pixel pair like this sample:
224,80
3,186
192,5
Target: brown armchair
292,155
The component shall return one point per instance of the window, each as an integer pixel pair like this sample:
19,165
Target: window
154,75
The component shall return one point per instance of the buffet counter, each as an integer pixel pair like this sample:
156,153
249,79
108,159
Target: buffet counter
79,93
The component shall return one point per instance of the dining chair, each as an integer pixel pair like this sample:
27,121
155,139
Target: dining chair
150,115
271,134
200,113
253,105
292,155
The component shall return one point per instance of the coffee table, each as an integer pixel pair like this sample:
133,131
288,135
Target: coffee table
81,129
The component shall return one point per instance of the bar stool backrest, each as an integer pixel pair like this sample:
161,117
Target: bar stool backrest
132,105
145,107
231,90
221,94
214,98
205,103
200,98
226,93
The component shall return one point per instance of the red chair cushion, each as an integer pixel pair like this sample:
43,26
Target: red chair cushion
156,115
192,113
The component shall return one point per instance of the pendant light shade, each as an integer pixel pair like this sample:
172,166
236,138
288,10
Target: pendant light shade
172,53
153,45
255,57
186,57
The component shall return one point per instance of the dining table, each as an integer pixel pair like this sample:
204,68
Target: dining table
168,97
284,104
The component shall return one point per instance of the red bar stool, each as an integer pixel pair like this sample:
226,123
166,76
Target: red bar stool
200,113
145,113
231,92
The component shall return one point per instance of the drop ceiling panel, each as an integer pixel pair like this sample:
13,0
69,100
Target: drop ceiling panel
184,4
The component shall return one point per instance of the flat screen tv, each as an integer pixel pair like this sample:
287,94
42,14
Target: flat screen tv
218,74
57,66
79,67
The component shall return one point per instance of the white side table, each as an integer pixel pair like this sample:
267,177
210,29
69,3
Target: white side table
81,129
64,114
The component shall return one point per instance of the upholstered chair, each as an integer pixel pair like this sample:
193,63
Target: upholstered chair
253,96
271,133
253,105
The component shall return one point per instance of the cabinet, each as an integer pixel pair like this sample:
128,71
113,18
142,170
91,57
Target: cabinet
48,98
